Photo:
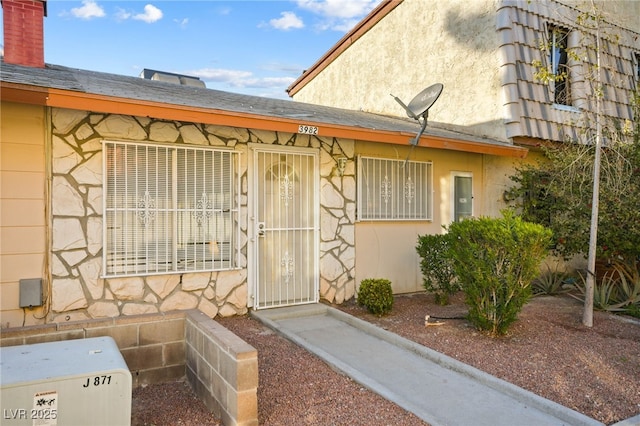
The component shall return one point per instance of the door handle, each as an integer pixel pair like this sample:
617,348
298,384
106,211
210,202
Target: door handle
260,229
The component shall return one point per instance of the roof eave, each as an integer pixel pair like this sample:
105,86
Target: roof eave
59,98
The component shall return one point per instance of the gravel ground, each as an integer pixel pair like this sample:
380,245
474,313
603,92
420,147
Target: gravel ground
548,351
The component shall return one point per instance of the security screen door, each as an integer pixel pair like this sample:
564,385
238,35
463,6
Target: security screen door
286,234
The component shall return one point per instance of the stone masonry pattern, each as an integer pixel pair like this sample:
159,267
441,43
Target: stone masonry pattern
77,290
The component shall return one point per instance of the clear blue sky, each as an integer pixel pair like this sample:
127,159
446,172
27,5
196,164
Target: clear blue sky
255,47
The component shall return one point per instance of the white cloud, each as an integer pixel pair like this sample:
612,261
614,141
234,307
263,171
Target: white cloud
90,9
240,79
151,14
338,15
343,9
182,23
122,15
221,75
269,82
288,21
339,25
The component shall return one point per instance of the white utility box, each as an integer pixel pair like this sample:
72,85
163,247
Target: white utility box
74,382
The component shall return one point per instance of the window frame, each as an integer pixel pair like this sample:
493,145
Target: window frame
559,64
133,206
459,174
397,212
636,70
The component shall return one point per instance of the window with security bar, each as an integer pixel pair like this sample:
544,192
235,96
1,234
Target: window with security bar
168,209
394,189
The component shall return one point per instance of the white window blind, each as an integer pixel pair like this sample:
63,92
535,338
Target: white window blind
394,189
168,209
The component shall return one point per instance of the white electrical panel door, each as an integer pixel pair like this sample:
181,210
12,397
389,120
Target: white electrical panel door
72,382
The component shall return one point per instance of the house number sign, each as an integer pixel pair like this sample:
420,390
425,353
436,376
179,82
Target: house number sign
307,130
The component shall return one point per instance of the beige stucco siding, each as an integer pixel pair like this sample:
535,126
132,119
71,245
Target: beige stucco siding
22,206
386,249
414,46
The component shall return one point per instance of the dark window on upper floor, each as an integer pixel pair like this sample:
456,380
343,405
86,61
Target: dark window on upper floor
559,64
637,69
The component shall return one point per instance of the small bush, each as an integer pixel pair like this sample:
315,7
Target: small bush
633,310
495,260
438,275
376,295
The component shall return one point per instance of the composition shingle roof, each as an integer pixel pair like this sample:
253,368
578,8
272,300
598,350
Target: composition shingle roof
139,89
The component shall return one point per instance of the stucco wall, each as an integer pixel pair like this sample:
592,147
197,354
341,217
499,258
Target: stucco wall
387,249
418,44
22,207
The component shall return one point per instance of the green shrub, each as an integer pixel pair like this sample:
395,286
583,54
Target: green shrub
376,295
633,310
438,275
495,260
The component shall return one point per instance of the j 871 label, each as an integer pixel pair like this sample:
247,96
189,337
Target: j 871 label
97,381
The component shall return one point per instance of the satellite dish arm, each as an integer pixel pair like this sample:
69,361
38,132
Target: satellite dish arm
406,108
415,140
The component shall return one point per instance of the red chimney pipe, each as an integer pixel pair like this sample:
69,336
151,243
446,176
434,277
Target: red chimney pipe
23,32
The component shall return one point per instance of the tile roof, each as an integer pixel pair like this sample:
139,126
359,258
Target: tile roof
530,110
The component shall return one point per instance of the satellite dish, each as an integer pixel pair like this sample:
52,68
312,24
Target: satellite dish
421,103
418,108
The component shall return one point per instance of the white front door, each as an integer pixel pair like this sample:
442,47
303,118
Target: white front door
285,234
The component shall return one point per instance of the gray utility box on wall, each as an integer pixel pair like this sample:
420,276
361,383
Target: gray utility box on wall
30,292
73,382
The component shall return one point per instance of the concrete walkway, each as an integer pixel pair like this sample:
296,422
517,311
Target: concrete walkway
433,386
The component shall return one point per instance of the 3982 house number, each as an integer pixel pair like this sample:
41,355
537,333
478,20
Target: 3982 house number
307,130
97,381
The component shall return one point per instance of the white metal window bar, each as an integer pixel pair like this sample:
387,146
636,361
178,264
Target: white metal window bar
394,189
168,209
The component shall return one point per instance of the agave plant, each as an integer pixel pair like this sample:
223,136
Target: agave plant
550,282
629,283
605,293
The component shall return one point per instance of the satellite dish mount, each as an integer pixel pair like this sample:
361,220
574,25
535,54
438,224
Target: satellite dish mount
418,108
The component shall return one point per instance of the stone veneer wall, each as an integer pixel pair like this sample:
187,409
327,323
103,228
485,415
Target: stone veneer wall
77,290
221,367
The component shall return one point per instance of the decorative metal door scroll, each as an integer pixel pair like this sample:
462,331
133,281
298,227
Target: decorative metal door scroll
285,220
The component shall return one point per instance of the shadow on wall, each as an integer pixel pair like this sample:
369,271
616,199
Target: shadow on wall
472,29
